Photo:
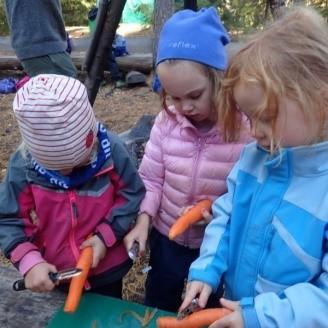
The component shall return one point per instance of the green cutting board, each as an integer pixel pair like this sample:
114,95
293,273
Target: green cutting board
97,311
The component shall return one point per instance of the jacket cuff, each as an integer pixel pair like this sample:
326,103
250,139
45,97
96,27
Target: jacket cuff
29,260
21,250
149,205
106,234
209,277
249,313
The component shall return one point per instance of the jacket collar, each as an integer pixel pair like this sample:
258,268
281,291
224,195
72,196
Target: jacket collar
305,160
186,124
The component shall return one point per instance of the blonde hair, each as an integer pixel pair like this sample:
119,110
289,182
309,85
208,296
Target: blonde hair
289,58
214,75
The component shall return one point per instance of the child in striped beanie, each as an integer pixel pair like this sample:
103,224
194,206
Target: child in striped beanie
71,179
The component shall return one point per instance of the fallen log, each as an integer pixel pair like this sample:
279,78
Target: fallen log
25,308
137,62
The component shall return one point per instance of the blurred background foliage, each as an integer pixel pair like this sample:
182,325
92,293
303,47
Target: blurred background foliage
239,16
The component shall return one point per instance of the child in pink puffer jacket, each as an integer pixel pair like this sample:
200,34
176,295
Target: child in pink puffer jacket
186,159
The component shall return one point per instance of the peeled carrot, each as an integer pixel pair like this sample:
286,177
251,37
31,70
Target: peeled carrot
77,283
197,319
190,217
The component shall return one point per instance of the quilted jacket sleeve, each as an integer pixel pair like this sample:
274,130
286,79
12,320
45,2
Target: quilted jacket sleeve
152,167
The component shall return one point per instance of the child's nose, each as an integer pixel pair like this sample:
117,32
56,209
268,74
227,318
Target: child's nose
187,107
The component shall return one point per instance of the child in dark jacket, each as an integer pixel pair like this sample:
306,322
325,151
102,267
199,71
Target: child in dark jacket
69,179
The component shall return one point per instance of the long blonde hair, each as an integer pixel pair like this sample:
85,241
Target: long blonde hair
289,58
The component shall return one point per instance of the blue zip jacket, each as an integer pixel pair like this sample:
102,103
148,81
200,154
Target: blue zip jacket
268,240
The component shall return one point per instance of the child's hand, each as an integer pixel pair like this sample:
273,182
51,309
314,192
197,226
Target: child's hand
195,288
207,217
233,320
139,234
99,249
37,279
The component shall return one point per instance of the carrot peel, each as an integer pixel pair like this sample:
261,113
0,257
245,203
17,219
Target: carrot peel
190,217
77,283
197,319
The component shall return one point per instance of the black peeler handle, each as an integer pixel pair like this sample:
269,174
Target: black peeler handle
19,285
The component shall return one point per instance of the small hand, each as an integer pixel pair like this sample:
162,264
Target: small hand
99,249
233,320
139,234
207,217
195,288
37,278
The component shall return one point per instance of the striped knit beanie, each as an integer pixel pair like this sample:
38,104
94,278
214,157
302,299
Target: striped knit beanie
56,121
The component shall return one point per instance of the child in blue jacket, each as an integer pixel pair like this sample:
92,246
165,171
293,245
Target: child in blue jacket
268,241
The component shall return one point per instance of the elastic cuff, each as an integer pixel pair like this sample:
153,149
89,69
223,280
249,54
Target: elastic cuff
107,234
249,313
21,250
30,260
246,302
149,205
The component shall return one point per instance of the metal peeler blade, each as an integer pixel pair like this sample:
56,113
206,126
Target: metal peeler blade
191,308
65,274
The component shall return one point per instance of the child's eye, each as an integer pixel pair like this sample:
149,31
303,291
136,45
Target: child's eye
174,98
195,96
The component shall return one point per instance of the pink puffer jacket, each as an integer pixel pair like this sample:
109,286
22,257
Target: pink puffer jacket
182,166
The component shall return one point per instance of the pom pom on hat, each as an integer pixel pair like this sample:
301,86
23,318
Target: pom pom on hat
56,120
196,36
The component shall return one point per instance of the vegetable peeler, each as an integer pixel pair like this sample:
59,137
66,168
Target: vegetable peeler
54,277
191,308
133,251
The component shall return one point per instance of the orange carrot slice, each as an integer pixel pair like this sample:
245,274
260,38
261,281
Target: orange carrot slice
189,218
197,319
77,283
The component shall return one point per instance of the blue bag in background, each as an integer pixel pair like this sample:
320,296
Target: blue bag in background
8,85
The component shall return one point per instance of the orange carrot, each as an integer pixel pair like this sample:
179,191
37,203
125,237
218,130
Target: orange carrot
197,319
189,218
77,283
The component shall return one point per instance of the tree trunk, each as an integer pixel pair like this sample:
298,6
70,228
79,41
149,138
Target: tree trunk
190,4
276,8
163,9
110,12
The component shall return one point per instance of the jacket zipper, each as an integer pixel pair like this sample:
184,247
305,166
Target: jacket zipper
266,247
200,143
74,217
242,242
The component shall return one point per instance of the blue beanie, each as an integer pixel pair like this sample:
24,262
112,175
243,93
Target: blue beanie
196,36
